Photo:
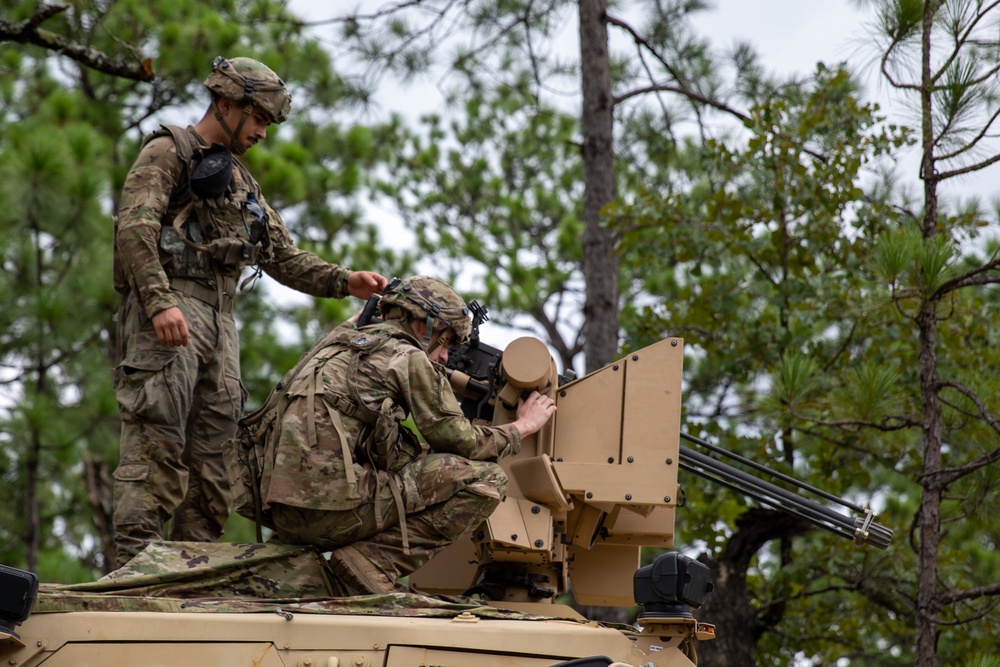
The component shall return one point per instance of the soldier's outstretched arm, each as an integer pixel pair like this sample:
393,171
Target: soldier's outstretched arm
363,284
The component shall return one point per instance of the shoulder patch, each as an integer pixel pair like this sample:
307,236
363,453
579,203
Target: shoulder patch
362,341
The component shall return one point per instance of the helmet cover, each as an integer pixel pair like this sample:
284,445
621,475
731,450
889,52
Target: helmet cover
249,80
433,301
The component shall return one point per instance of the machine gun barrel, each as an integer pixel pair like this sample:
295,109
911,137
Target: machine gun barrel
773,473
861,530
465,385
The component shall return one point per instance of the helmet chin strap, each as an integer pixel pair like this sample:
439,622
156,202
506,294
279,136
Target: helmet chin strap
429,326
234,145
443,340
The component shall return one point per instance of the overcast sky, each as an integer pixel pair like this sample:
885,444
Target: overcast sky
790,35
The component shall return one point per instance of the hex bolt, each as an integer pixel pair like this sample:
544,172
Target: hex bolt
538,544
590,494
535,509
562,393
611,459
615,367
670,461
631,460
635,357
666,499
628,496
514,536
673,343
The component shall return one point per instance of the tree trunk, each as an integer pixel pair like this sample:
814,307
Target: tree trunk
728,608
930,501
600,263
98,482
32,514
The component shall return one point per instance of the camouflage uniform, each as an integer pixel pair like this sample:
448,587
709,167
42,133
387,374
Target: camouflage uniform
179,404
326,482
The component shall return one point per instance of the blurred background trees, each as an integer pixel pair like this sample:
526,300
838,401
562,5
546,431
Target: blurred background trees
840,313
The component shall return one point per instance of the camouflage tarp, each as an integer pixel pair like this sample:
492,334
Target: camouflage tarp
237,577
217,569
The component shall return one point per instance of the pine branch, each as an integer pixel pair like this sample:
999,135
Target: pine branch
30,32
951,597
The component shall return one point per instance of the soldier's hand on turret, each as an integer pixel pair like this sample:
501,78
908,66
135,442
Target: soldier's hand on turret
533,412
363,284
171,327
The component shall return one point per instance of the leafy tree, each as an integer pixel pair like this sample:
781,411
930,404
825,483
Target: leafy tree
756,273
897,386
499,188
81,85
56,335
510,51
750,221
940,273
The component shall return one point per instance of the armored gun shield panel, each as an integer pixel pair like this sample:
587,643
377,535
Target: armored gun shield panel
637,466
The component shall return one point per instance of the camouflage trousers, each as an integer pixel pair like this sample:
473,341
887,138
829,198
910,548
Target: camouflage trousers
177,405
444,497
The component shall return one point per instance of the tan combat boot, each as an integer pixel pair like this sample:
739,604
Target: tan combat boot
357,574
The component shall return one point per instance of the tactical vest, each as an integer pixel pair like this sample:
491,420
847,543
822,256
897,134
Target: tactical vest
205,240
384,443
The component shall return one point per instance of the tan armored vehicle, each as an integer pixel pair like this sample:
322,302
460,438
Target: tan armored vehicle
586,493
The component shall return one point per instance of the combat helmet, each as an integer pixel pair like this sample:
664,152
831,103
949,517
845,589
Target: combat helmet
430,300
248,80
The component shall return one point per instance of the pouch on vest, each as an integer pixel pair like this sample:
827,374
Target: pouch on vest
212,173
184,260
234,252
244,458
391,448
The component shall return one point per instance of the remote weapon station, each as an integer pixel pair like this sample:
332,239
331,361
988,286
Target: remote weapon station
599,482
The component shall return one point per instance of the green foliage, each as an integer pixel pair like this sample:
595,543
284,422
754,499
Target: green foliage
798,288
68,134
812,311
754,269
57,324
498,191
982,661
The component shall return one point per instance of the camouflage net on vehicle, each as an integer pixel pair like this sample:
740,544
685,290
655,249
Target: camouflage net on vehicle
241,577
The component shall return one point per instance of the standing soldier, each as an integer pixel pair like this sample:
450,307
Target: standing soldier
340,471
191,218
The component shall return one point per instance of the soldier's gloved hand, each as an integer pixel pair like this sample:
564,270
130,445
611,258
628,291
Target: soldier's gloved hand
363,284
171,327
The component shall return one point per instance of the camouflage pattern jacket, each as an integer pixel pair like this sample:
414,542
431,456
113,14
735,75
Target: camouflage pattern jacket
316,455
156,190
